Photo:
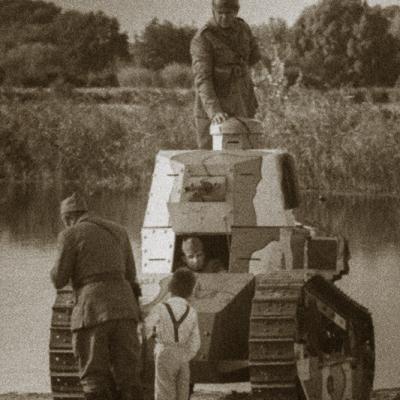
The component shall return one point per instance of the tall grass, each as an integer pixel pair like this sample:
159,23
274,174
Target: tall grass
174,75
95,145
339,145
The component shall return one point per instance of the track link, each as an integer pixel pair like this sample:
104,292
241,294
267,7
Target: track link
280,325
273,328
64,377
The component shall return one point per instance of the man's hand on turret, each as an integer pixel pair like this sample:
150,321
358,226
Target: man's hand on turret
219,117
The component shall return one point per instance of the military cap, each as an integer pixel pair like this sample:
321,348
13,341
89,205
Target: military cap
192,244
225,4
73,203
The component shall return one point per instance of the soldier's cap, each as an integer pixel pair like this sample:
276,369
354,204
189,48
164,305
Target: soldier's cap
73,203
192,245
222,5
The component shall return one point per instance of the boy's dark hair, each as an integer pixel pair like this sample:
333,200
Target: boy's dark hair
182,283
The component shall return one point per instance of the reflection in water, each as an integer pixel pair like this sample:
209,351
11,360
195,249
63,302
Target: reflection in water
29,223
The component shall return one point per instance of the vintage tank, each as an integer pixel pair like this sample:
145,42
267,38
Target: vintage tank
275,316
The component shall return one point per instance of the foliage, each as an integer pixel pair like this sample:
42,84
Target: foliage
88,43
274,39
137,77
99,146
77,47
338,145
109,138
34,64
171,76
177,75
345,42
31,12
161,44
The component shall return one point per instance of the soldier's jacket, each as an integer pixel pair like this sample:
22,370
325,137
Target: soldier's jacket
96,256
220,60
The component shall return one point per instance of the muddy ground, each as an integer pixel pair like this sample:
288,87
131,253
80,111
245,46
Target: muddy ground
204,394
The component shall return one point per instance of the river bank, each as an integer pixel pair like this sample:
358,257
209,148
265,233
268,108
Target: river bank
338,145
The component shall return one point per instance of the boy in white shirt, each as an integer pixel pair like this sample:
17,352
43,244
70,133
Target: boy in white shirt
177,338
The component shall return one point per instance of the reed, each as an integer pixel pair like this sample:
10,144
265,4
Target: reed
109,139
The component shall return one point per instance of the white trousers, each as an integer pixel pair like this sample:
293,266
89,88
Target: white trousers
172,375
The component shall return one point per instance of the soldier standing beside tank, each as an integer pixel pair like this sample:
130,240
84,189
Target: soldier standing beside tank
96,257
222,53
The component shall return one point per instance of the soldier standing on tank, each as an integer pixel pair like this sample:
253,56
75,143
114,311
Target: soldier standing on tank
222,53
95,256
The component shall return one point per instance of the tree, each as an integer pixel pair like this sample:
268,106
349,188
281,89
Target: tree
163,43
88,43
274,38
82,45
345,42
27,12
34,64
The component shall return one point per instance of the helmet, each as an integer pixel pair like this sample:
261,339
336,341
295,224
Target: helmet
73,203
220,5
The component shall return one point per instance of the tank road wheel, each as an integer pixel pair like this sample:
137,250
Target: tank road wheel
308,341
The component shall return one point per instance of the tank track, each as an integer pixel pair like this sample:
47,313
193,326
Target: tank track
64,377
273,326
278,324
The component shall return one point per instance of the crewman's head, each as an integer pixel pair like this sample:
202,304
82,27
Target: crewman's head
182,283
72,208
225,12
193,253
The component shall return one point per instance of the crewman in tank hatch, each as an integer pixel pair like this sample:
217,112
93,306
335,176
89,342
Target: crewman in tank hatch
195,258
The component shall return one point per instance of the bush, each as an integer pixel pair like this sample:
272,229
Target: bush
136,77
31,65
379,96
177,76
172,76
106,78
338,145
98,146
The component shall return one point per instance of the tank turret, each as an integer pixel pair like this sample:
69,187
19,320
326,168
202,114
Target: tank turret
235,196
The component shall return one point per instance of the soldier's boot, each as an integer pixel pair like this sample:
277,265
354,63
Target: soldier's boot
132,393
103,395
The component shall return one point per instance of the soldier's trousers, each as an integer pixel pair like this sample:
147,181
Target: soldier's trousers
172,375
204,139
108,354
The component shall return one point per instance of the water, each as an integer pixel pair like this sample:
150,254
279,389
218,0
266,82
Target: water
29,225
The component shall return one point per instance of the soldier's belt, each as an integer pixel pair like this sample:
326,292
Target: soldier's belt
233,70
104,277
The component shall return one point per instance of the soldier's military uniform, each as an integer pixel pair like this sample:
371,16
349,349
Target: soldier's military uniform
212,266
96,257
220,60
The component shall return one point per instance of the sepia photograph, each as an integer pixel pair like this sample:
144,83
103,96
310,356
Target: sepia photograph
199,199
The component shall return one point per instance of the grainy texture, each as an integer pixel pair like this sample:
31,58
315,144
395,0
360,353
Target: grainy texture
383,394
